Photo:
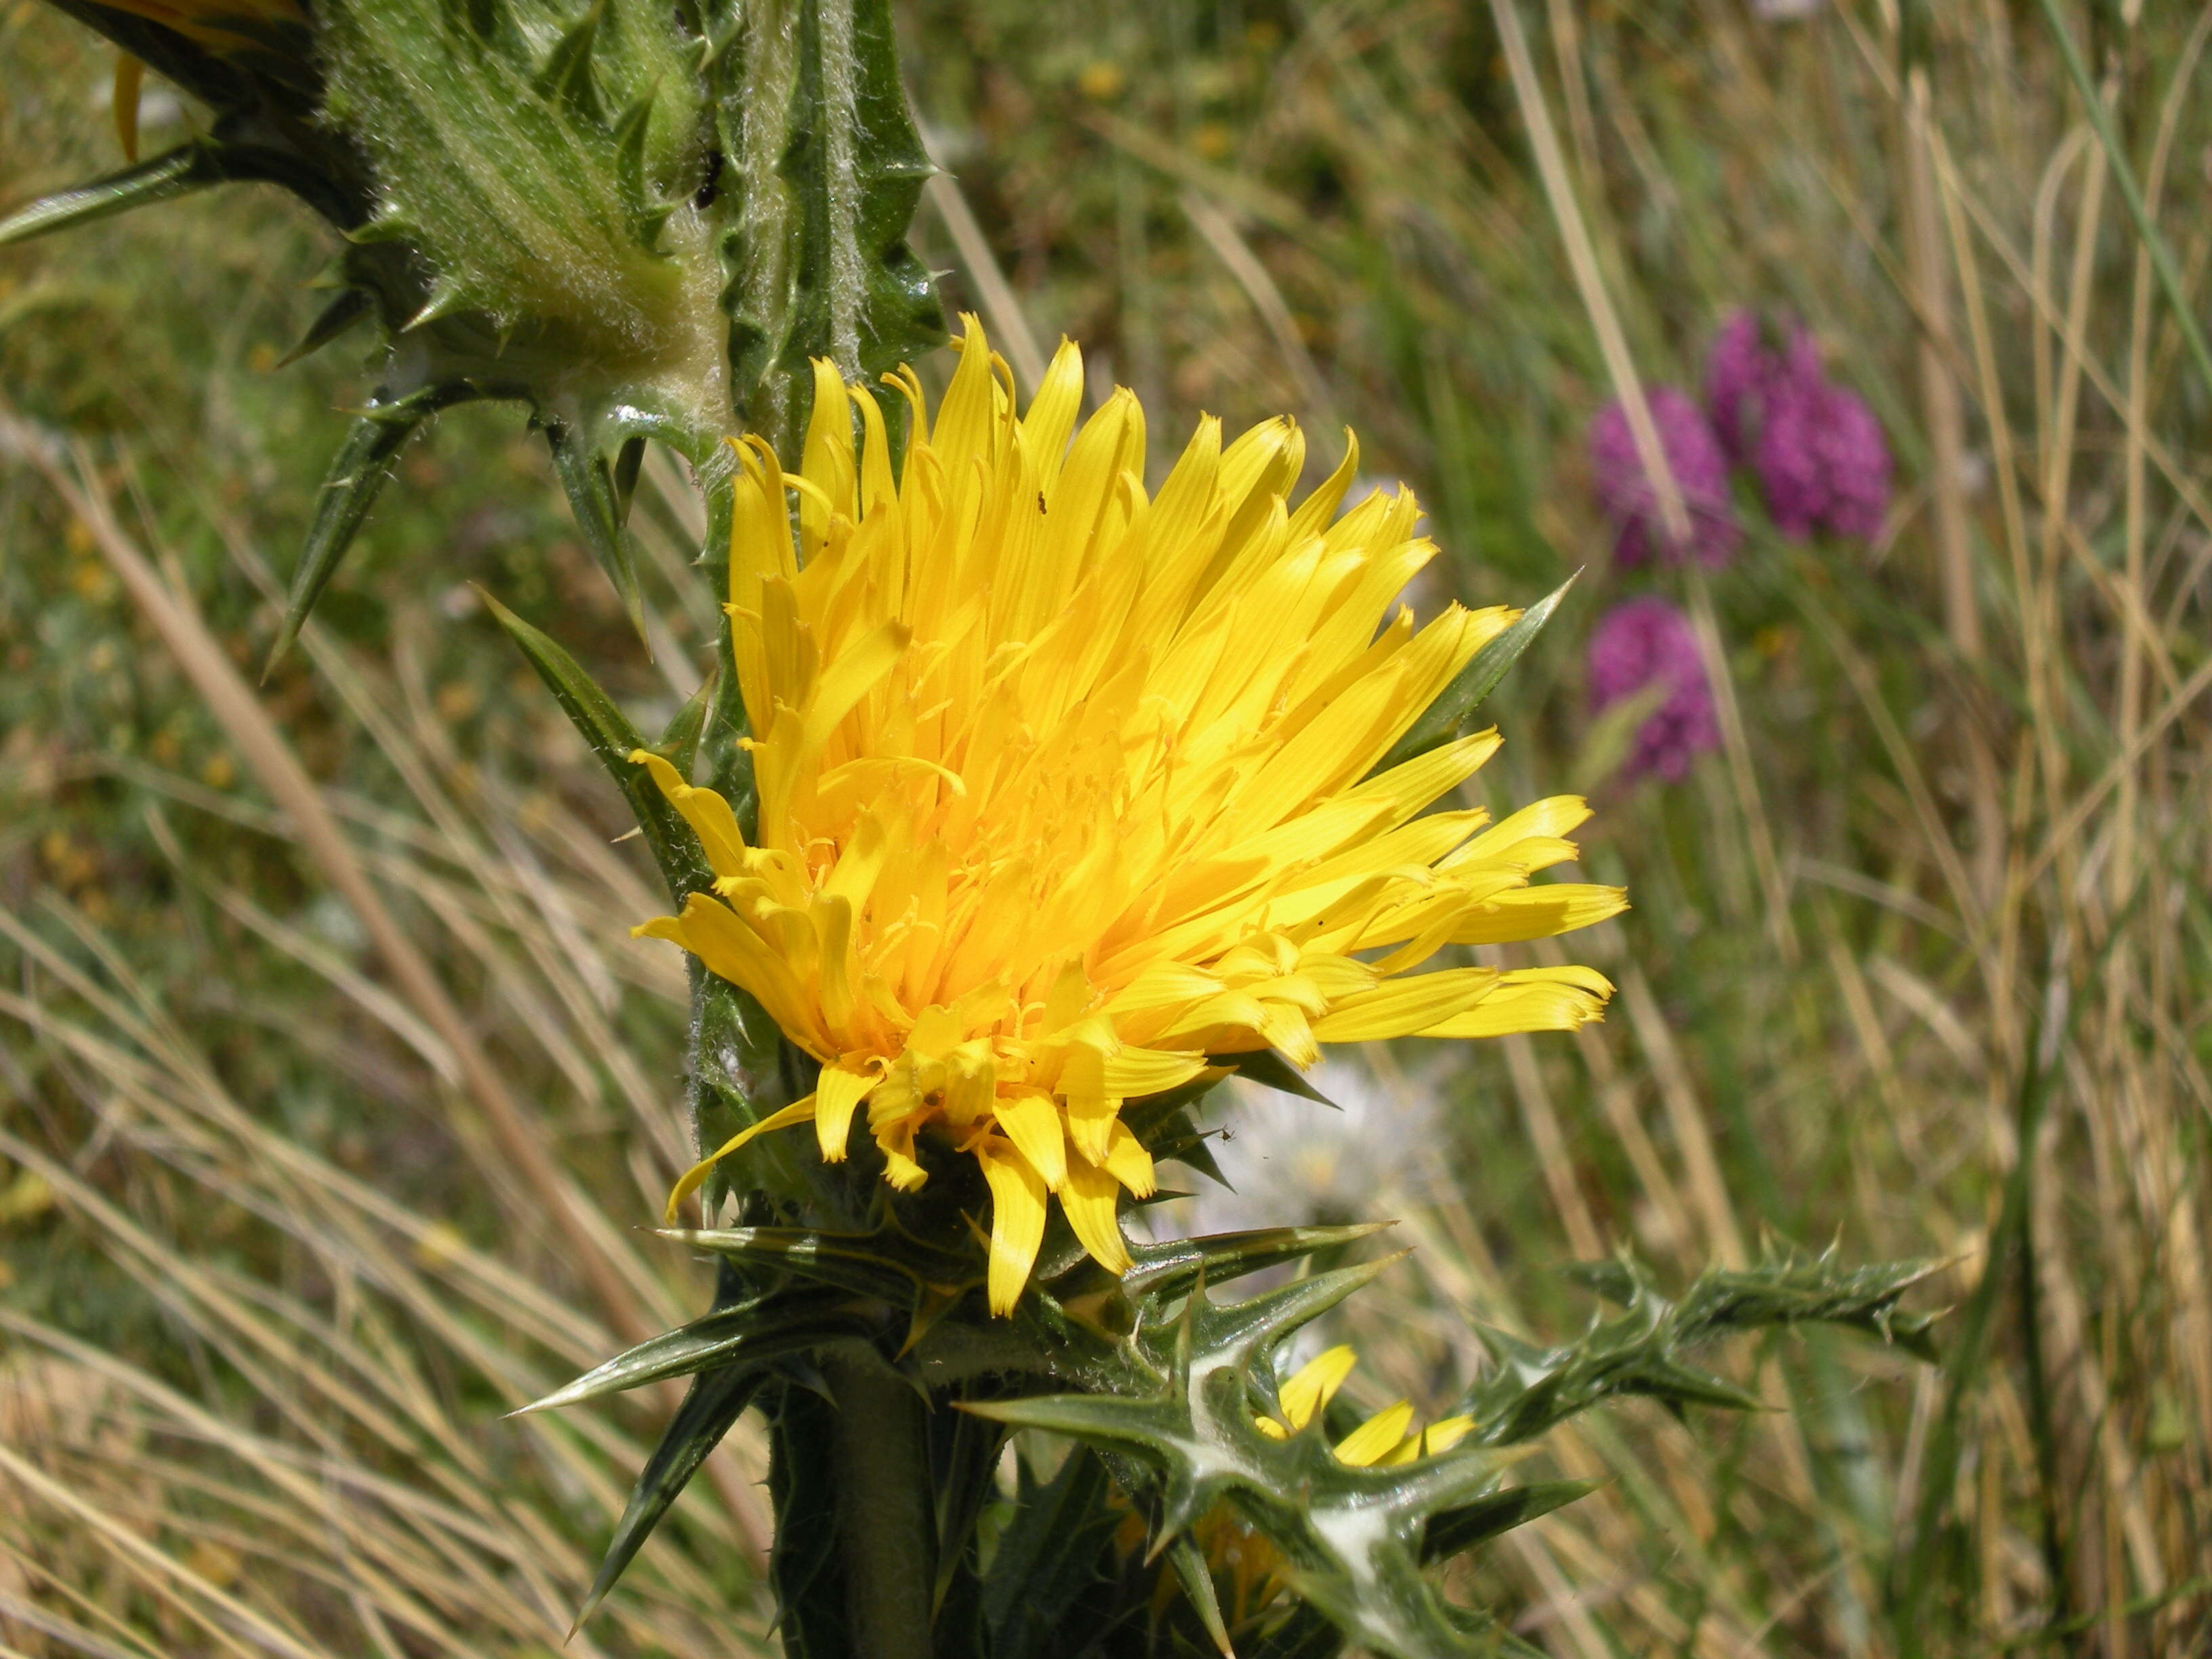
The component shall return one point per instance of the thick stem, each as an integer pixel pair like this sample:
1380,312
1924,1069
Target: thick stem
879,1459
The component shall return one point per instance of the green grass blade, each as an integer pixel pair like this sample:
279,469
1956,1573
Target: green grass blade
2161,257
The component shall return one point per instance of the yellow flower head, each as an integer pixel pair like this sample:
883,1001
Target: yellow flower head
1387,1438
1063,787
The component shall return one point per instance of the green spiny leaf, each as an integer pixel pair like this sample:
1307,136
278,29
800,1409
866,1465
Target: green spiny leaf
1200,1443
633,135
1452,1531
1180,1140
356,475
1305,1633
589,479
1050,1560
1197,1579
612,739
173,172
857,168
711,1408
1352,1542
567,76
1640,1352
883,1265
1792,1289
963,1458
746,1336
1446,716
1174,1267
817,265
1273,1069
679,740
810,1586
742,1068
350,306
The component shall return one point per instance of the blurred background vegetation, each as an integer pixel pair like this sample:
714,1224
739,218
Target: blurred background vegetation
1919,963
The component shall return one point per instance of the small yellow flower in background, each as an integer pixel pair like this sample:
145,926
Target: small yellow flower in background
1383,1439
1063,787
1101,81
1212,140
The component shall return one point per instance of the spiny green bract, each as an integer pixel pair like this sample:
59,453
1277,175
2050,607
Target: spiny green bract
1162,1381
640,219
540,169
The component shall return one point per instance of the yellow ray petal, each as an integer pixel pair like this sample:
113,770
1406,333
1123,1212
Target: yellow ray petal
1131,1071
1032,1122
1053,411
706,811
731,949
851,677
1091,1197
1411,785
1554,819
878,487
1128,1163
129,78
1539,912
1441,1435
1547,999
1315,512
800,1111
965,420
1017,1221
840,1089
1314,1384
1401,1007
1379,1434
828,452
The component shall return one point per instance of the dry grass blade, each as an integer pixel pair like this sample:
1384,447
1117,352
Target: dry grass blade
233,702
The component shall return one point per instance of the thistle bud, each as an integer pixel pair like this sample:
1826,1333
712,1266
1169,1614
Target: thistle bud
640,220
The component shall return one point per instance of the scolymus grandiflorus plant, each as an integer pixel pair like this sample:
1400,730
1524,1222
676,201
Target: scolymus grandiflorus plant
1026,803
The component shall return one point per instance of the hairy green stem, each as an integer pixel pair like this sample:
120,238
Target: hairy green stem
879,1460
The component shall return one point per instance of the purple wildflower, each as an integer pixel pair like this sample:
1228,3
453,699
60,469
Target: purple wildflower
1700,467
1820,454
1746,369
1647,642
1787,458
1822,462
1737,370
1858,463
